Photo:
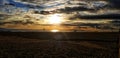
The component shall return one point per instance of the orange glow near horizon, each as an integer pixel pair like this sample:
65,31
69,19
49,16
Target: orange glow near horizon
54,30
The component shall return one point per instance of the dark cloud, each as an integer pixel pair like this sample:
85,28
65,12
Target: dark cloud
4,16
116,23
74,9
18,22
97,16
98,26
103,16
115,3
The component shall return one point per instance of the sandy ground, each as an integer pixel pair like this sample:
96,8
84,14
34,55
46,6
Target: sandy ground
19,47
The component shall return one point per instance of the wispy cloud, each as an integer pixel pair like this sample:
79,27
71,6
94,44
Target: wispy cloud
83,13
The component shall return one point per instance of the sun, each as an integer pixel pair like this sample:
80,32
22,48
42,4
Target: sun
54,30
55,19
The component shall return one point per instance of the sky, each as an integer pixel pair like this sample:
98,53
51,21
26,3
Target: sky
96,15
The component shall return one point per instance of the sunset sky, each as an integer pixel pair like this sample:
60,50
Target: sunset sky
62,15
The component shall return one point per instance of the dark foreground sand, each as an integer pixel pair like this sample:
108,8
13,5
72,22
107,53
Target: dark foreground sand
26,47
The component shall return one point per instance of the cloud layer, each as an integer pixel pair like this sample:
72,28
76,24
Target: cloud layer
95,14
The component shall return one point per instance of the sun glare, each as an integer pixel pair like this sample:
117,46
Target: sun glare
55,19
54,30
